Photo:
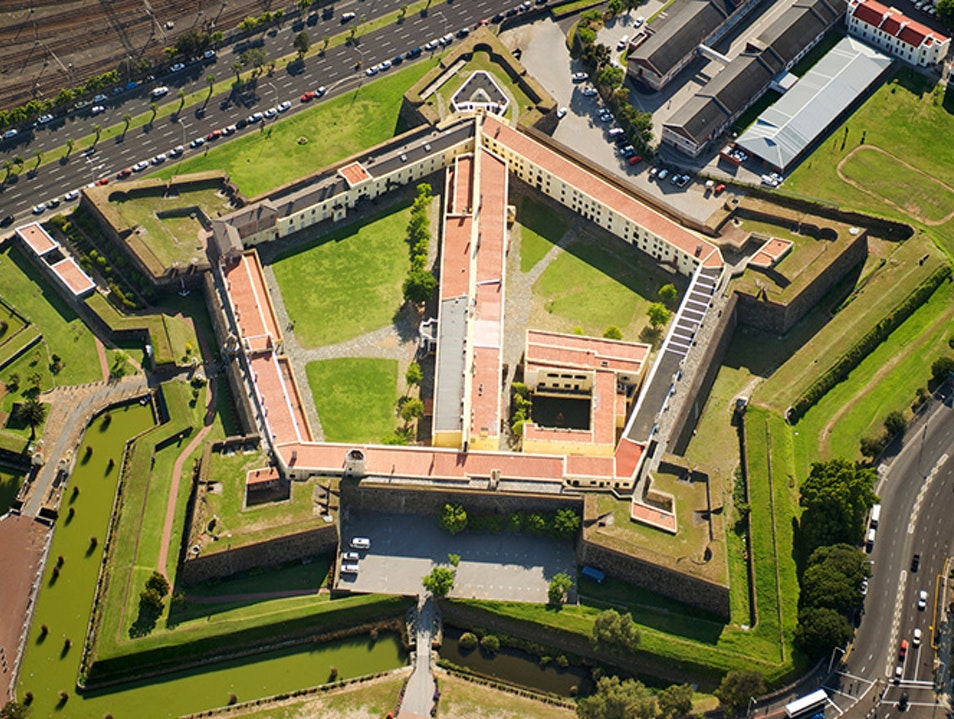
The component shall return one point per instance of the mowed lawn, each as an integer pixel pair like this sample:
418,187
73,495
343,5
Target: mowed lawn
540,229
347,284
355,397
279,152
907,118
595,283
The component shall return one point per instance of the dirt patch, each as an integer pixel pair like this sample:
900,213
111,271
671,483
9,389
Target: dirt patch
21,548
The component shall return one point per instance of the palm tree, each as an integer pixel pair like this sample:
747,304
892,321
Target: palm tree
181,95
18,161
69,146
210,79
97,130
325,40
153,108
8,166
39,158
237,69
127,118
32,412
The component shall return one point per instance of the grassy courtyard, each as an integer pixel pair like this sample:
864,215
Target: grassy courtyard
540,229
597,282
355,398
890,157
279,152
349,282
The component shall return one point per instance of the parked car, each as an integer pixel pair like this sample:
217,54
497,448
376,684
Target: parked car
413,53
285,106
579,77
176,151
177,67
71,195
561,113
45,119
39,209
159,159
7,221
10,134
350,556
140,166
159,91
122,174
197,142
271,112
308,96
361,543
102,181
623,42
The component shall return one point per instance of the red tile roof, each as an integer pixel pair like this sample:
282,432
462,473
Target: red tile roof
251,300
354,173
896,24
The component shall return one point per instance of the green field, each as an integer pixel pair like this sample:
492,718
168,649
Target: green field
364,699
349,282
355,398
274,154
10,481
540,229
594,283
908,118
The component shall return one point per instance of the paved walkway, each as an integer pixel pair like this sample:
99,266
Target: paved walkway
419,694
71,409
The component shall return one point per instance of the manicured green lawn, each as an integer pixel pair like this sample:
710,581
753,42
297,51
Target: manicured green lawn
347,283
540,229
263,159
906,117
355,397
63,331
596,283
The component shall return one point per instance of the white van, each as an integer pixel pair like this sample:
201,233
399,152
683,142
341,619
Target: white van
349,568
875,516
361,543
870,539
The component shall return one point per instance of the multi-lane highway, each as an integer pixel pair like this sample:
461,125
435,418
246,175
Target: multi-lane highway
334,70
916,487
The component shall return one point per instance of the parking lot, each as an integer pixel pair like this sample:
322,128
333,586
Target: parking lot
546,57
405,547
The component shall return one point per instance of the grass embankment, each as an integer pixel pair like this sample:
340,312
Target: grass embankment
481,62
273,155
462,699
349,282
354,397
540,229
173,339
908,118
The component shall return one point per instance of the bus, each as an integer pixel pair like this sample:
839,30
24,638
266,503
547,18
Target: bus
809,705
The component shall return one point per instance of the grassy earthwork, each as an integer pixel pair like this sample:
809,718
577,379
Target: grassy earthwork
481,61
355,397
461,698
278,153
349,282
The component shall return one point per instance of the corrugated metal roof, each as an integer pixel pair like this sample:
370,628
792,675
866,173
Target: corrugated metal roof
785,129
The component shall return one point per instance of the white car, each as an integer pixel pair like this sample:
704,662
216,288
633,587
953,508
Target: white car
580,77
71,195
561,113
97,109
623,42
159,159
271,112
176,151
45,119
350,556
140,166
321,91
922,600
345,17
197,142
349,568
386,65
590,92
177,67
285,106
371,71
159,91
10,134
361,543
255,117
39,209
639,21
916,639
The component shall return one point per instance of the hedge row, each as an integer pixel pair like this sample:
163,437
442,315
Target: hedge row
863,347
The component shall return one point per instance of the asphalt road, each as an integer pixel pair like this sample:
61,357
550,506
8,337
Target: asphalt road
335,71
916,494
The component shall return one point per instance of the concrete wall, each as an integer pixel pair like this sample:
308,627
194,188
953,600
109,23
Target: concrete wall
710,597
226,562
701,383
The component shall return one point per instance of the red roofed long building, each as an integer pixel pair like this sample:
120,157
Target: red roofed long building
896,33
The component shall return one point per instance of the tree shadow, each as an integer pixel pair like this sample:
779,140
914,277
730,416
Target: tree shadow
145,621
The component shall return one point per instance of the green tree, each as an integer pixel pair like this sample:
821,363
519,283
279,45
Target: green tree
559,587
301,43
895,423
413,375
97,131
38,155
151,600
836,497
8,168
153,109
658,314
32,412
127,118
615,699
613,333
820,629
490,644
833,578
668,293
14,710
254,58
419,286
324,43
738,688
467,641
610,76
942,367
412,409
615,630
439,582
453,518
158,583
945,12
237,69
566,523
675,701
871,447
304,5
182,96
69,146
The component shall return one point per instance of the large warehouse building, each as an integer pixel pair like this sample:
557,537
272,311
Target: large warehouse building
784,131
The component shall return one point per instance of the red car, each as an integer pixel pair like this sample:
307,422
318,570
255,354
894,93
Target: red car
214,135
719,189
123,173
634,159
102,181
309,96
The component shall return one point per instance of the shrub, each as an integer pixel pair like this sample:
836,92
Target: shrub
467,641
490,644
